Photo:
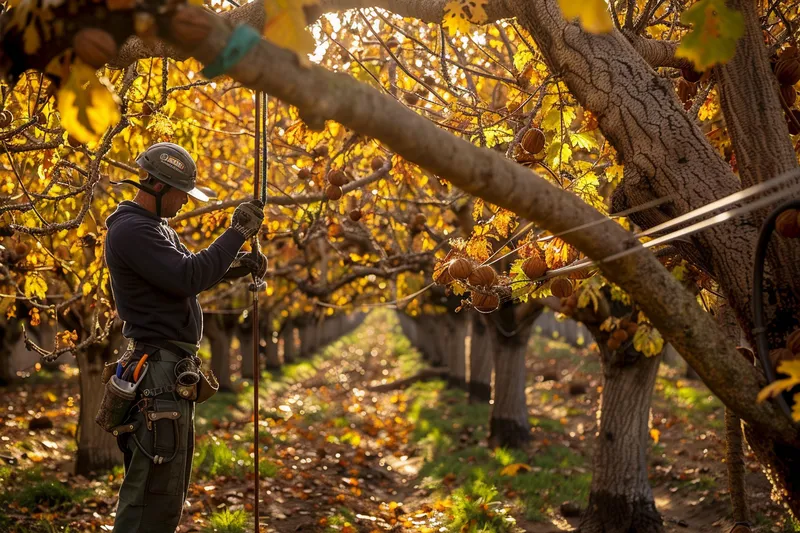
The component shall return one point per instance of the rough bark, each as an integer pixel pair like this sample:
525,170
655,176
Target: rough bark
509,425
750,102
320,95
754,118
481,361
734,460
219,337
97,449
456,350
621,500
734,453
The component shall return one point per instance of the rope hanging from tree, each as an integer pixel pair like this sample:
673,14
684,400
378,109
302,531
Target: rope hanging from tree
260,167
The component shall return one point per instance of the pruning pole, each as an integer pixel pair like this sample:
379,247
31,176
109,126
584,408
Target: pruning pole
259,193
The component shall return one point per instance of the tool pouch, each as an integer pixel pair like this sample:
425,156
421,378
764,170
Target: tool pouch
118,397
162,420
186,392
206,387
109,370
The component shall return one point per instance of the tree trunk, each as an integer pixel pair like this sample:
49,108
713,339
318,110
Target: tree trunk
97,449
289,343
621,500
10,332
244,332
273,361
481,362
509,425
734,454
220,339
304,334
409,329
455,340
750,102
427,334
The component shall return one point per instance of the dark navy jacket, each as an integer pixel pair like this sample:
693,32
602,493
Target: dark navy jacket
155,280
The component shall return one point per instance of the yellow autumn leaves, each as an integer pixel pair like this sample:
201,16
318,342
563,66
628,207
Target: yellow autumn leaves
791,369
87,104
285,25
592,14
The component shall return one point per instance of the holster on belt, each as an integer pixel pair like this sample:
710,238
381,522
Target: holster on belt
206,387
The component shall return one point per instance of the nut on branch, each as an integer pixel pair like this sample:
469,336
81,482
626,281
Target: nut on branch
787,224
534,267
561,287
333,192
787,70
483,276
6,117
94,46
533,140
788,95
460,268
377,163
691,75
485,303
337,177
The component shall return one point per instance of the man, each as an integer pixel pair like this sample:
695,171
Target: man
155,281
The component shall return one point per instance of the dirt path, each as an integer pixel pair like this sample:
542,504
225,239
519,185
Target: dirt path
341,452
337,457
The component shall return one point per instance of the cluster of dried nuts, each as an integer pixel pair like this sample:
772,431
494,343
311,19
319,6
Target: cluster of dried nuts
625,330
479,276
786,68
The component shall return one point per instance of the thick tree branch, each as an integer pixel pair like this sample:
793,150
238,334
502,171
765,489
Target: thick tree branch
252,13
321,95
657,53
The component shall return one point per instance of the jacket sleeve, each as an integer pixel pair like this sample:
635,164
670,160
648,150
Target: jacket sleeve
173,269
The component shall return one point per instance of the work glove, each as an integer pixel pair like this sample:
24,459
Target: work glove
247,218
245,264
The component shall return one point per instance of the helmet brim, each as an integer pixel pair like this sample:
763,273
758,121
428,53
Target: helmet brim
197,194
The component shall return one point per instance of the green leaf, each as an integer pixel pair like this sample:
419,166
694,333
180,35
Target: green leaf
713,38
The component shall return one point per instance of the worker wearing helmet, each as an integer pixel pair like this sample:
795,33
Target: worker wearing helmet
155,281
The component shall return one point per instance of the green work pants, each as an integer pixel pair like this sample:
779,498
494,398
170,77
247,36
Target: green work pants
152,495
